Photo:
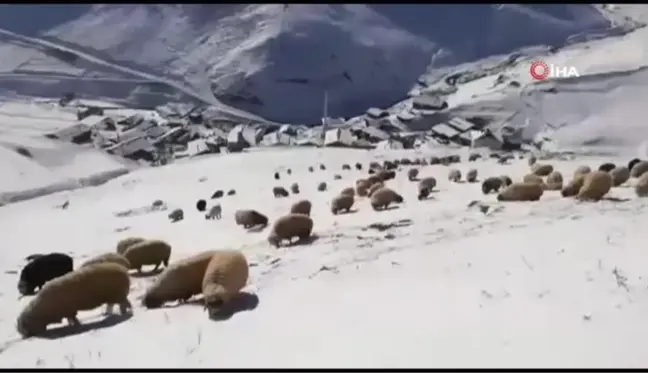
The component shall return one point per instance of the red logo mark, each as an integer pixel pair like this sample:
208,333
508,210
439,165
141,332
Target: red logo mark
539,70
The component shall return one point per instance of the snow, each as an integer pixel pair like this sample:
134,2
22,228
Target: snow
254,57
528,284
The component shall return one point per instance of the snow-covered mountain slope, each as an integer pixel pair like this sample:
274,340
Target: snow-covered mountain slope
277,60
429,284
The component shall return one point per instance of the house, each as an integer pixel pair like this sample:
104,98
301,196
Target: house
78,134
444,131
460,124
391,144
100,122
375,113
338,137
138,148
486,139
310,137
236,142
428,102
277,138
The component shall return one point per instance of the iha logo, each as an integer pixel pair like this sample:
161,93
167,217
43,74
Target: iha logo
539,70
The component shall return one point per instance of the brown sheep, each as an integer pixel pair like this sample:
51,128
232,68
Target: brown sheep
337,177
473,157
310,169
362,187
180,281
555,181
280,192
358,166
301,207
506,181
389,165
250,218
374,188
534,179
382,198
348,191
416,162
226,274
385,175
346,167
294,188
322,167
491,184
412,174
607,167
341,203
471,176
521,192
289,226
619,175
406,162
595,186
574,186
127,242
581,170
322,186
154,252
454,175
532,160
84,289
633,162
639,169
434,160
425,187
374,166
541,169
641,186
108,258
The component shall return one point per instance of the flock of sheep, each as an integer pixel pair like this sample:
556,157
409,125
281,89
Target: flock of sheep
219,275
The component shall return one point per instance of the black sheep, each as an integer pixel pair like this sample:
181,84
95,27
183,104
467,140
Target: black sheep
42,268
201,205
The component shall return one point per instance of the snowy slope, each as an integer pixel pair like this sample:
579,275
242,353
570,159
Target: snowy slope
544,284
276,60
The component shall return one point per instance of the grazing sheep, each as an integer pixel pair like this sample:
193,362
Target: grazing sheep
108,258
382,198
425,187
389,165
372,171
358,166
289,226
337,177
180,281
384,175
574,186
301,207
534,179
491,184
473,157
84,289
607,167
201,205
289,171
374,187
322,167
454,158
310,169
471,176
276,176
321,187
154,252
226,274
412,174
454,175
346,167
217,194
405,162
250,218
176,215
215,212
532,160
127,242
41,269
506,181
554,181
416,162
521,192
362,187
633,162
342,202
231,192
157,204
374,166
619,175
348,191
641,186
434,160
541,169
595,186
581,170
424,162
280,192
639,169
294,187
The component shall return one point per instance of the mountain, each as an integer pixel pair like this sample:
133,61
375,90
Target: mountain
277,60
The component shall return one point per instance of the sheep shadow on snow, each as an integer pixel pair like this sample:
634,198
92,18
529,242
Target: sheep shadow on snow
257,228
145,274
302,242
344,212
69,330
243,301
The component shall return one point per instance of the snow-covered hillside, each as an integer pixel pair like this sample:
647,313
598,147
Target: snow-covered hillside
277,60
433,283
